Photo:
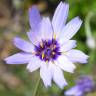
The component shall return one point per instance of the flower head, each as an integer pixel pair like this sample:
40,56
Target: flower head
50,48
83,85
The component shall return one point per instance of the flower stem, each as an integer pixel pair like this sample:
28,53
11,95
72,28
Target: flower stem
87,24
36,87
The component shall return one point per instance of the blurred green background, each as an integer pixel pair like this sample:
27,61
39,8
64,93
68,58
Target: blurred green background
15,80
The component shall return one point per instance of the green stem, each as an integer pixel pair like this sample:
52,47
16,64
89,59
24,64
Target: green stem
87,24
36,87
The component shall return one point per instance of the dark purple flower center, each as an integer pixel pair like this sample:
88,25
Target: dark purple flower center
48,50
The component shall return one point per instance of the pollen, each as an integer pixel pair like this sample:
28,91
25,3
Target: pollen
41,44
53,53
54,36
42,55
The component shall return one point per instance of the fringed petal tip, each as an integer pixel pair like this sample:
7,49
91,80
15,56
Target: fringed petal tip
63,85
47,85
63,4
86,60
77,56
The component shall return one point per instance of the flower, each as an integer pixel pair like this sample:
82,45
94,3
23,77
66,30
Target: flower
50,47
83,85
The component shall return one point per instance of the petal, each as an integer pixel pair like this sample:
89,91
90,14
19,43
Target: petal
46,28
45,73
70,29
70,44
77,56
23,45
34,64
34,18
58,77
19,58
65,64
74,91
34,37
60,17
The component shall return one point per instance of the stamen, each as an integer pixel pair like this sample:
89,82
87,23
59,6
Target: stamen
64,53
46,61
41,44
43,55
54,36
47,50
54,46
34,53
53,62
53,53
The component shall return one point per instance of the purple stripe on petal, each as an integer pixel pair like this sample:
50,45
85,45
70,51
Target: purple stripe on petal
19,58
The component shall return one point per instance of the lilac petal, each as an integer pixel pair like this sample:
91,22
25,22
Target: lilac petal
70,44
23,45
45,73
46,28
58,76
34,64
70,29
34,18
19,58
65,64
34,37
77,56
74,91
60,17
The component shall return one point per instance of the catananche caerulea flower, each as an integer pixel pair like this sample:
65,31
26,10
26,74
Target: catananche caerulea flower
50,47
83,85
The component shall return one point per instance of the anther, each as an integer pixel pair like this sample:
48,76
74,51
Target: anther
43,55
41,44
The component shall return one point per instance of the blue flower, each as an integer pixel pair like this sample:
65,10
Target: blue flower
50,47
83,85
